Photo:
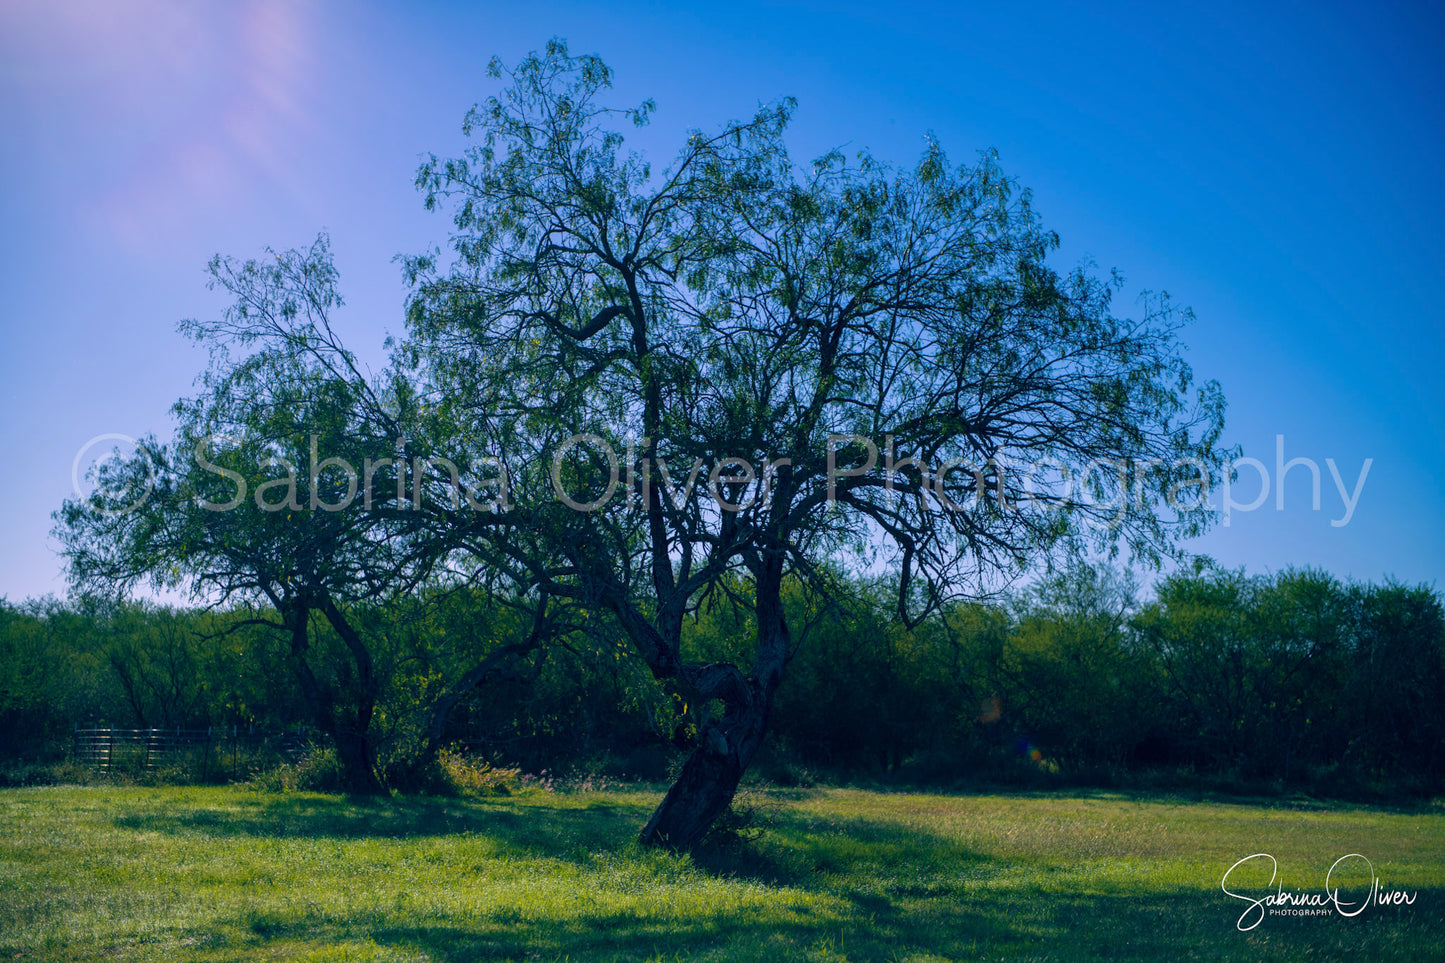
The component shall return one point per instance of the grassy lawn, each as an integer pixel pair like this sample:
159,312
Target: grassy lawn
228,873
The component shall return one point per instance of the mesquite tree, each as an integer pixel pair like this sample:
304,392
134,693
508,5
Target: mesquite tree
738,370
242,505
293,484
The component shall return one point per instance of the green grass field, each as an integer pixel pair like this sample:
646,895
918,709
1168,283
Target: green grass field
232,874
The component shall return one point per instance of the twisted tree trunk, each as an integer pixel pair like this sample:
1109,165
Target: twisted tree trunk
709,778
726,747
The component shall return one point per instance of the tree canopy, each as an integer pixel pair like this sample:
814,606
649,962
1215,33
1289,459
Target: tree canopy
733,370
629,393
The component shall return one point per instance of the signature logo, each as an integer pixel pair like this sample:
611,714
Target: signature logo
1351,887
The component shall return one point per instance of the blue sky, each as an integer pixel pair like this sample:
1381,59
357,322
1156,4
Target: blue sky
1278,170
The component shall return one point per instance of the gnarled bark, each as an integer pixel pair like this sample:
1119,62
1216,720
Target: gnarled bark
353,747
710,777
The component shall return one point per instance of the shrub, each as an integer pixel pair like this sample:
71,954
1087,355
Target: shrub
319,770
472,776
60,773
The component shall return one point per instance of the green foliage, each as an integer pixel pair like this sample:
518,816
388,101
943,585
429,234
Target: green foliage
318,770
735,306
60,772
1070,675
1278,676
38,683
741,308
471,776
1261,683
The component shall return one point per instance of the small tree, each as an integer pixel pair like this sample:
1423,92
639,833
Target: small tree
280,490
1396,701
847,355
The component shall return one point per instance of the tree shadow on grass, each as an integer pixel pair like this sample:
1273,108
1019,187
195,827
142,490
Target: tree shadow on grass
863,888
524,827
603,936
1148,925
794,850
855,932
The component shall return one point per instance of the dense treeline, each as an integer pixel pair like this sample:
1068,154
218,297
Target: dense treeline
1294,679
